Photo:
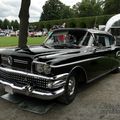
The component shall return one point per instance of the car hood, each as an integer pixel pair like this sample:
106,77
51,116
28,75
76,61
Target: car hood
43,54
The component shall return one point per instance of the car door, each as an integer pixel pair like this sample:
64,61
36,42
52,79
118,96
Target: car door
104,50
111,53
102,58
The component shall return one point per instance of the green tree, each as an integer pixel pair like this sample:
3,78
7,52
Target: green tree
88,8
112,7
51,10
67,12
54,9
24,23
14,25
5,24
1,23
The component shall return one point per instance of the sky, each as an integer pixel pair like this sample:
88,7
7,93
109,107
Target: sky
10,8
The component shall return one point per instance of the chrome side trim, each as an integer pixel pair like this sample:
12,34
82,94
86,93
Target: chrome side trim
89,81
72,63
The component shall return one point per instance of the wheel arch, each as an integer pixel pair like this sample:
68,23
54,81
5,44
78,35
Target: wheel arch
80,73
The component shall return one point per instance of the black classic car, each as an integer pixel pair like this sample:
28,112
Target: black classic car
56,68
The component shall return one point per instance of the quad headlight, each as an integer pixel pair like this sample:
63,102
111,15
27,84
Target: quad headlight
43,68
47,69
39,68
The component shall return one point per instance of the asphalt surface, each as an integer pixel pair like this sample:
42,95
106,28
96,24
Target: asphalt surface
99,100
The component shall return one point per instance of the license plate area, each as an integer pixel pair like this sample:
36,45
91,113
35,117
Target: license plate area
9,89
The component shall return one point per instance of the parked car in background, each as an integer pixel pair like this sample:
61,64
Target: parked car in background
2,34
56,68
7,32
13,34
31,33
38,34
45,31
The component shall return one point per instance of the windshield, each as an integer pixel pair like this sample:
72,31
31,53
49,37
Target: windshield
65,39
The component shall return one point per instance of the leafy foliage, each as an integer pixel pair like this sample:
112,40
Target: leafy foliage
83,22
7,24
0,23
112,7
54,9
88,8
14,24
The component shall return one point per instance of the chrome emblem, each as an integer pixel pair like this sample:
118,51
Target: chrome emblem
10,60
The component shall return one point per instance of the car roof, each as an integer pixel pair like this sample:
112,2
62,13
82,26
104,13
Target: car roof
82,29
66,29
98,31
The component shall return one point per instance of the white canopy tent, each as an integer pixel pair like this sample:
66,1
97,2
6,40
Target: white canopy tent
112,21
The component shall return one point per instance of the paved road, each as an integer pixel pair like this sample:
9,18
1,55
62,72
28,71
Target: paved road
99,100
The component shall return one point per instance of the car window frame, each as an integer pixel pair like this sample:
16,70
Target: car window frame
104,47
90,41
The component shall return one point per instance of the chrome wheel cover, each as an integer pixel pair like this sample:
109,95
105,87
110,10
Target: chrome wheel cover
71,85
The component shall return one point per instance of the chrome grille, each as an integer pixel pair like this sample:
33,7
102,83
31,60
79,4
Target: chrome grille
21,80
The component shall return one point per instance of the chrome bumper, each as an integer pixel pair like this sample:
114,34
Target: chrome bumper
57,82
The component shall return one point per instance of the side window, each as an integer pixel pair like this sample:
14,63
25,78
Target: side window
112,40
107,41
98,41
103,41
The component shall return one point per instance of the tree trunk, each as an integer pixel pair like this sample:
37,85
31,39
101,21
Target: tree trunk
24,23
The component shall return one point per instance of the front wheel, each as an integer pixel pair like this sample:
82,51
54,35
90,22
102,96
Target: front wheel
70,90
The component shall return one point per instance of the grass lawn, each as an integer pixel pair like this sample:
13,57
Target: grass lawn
13,41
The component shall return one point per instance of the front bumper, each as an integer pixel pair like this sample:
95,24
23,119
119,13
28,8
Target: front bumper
54,84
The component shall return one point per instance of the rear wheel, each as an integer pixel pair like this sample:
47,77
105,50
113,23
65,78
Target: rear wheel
70,90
